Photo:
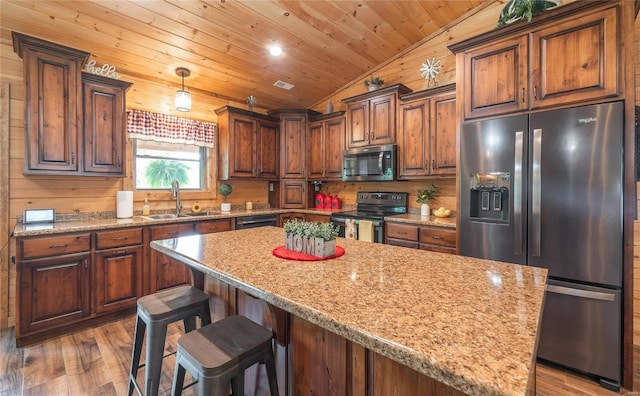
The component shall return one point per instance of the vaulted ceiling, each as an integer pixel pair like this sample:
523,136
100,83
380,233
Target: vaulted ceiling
327,43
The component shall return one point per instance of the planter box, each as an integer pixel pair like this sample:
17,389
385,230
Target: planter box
314,246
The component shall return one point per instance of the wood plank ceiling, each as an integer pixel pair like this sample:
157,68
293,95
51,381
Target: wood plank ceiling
327,44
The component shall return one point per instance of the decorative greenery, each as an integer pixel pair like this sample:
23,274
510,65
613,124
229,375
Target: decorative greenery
326,231
161,173
427,194
225,189
516,10
373,81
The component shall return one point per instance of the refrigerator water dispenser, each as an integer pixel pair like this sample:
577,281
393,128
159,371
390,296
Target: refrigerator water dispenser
489,197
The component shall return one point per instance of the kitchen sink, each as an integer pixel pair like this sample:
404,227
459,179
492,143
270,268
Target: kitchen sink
165,216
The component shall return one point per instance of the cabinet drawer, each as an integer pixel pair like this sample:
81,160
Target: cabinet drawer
210,226
402,231
438,236
401,242
55,245
171,231
436,248
117,238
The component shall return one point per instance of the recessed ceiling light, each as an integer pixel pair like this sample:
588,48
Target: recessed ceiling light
275,50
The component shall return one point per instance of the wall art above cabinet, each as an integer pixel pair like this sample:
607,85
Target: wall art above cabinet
75,122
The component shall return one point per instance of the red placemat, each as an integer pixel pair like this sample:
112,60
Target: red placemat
281,252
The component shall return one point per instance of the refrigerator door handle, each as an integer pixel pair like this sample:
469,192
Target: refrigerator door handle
517,194
581,293
536,192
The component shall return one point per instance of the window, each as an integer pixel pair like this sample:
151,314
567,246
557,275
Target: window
158,164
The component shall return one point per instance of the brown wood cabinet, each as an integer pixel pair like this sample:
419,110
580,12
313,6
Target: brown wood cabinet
211,226
75,122
371,117
104,125
293,133
562,57
293,194
284,217
118,269
318,218
52,104
164,271
248,145
54,282
433,238
427,130
325,143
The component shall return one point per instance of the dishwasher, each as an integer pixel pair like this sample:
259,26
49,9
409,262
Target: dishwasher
256,221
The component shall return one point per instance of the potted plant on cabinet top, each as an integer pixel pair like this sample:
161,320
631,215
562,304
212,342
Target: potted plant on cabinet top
225,189
373,83
317,239
424,196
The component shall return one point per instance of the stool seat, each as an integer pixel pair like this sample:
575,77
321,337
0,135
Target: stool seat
220,352
155,313
167,303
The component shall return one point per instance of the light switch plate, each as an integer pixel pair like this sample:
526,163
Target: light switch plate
39,216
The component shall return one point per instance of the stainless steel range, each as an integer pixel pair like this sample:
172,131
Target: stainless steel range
373,206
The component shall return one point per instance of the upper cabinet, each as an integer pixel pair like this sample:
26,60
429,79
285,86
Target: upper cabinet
74,125
104,124
293,132
563,56
325,143
371,117
427,133
248,145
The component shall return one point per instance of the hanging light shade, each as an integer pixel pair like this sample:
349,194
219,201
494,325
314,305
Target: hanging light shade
183,98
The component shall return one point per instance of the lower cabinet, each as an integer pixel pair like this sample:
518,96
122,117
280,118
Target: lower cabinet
118,269
54,282
53,292
318,218
284,217
164,271
425,237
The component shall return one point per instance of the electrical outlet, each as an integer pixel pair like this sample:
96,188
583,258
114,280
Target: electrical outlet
270,186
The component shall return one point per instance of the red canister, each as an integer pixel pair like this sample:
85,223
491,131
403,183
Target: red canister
335,202
327,202
319,198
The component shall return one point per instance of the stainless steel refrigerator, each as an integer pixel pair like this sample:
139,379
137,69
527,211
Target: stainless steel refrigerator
545,190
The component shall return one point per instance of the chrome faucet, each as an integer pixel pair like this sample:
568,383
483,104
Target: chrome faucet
175,193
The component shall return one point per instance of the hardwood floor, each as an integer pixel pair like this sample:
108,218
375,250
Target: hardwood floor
96,362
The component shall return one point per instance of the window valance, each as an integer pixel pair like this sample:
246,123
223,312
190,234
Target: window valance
170,129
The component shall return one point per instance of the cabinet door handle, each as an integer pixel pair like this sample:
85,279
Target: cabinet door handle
172,232
402,232
373,136
366,136
436,237
86,264
535,92
73,158
120,252
122,238
119,161
58,246
522,95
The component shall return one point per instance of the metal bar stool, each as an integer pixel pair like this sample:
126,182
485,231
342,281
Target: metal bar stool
220,352
156,312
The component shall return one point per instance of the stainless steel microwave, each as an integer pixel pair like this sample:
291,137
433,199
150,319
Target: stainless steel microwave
371,163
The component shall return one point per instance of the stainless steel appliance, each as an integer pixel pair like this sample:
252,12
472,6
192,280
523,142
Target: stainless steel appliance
371,163
546,190
373,206
254,221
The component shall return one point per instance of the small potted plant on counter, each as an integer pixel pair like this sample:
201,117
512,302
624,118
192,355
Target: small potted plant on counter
373,83
225,189
424,196
317,239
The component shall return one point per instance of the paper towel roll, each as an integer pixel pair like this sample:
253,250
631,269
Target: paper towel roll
124,203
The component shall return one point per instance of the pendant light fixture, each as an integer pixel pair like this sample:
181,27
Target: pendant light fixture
183,98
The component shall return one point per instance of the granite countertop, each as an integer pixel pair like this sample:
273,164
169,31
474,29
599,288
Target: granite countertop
469,323
448,222
96,222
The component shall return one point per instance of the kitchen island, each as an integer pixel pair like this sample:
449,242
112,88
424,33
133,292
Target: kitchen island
466,324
